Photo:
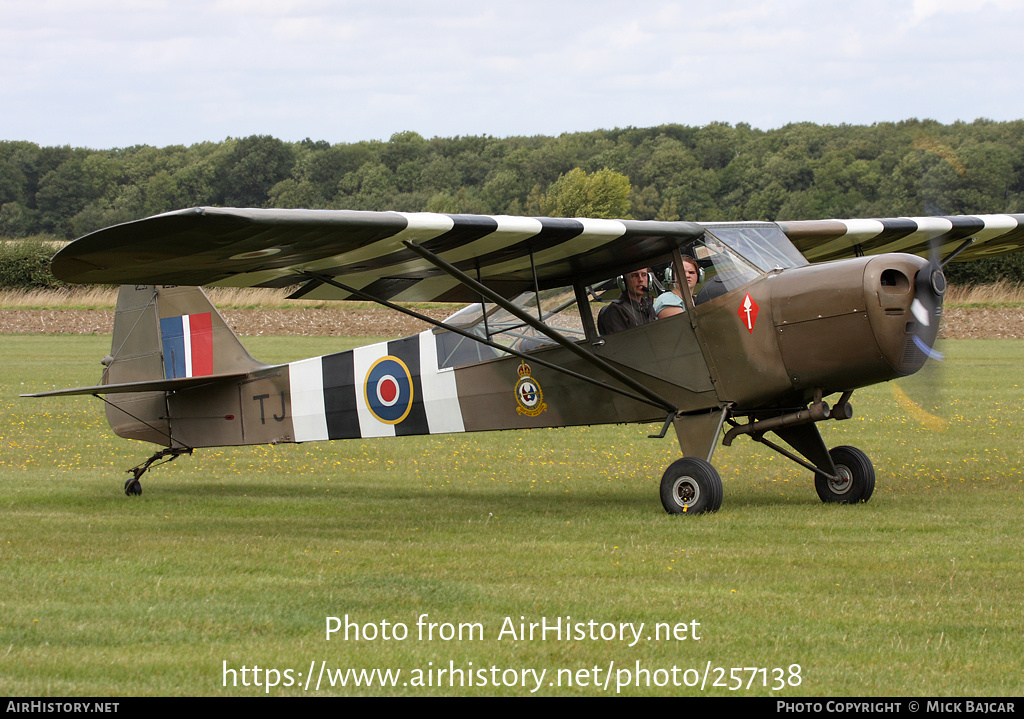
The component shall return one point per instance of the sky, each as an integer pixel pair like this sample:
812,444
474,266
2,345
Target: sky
116,73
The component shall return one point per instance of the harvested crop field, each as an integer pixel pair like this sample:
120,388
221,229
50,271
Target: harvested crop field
363,322
959,323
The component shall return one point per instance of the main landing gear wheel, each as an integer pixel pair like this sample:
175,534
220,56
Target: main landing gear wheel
691,486
855,477
133,486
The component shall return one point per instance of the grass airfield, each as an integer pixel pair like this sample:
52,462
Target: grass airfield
236,557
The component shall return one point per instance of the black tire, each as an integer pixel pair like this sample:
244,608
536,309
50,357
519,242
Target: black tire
133,487
691,486
857,477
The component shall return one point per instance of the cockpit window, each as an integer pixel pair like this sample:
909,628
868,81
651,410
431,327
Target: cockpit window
557,310
764,246
734,255
730,256
724,269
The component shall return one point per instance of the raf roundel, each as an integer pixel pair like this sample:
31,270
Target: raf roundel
388,390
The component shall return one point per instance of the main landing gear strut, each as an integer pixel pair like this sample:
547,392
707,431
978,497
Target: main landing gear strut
132,486
842,475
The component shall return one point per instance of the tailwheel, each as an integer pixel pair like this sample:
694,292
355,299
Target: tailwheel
854,481
132,486
691,486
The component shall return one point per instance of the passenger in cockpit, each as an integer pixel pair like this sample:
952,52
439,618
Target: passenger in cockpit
671,303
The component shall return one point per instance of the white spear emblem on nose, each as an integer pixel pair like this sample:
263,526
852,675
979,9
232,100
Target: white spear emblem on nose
746,308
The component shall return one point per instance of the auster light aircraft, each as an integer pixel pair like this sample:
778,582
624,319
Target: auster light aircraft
765,338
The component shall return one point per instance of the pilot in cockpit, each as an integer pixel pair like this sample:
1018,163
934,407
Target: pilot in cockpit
632,308
671,303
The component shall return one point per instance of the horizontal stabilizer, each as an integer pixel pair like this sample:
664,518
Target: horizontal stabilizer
156,385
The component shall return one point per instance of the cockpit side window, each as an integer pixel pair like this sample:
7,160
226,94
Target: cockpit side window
557,310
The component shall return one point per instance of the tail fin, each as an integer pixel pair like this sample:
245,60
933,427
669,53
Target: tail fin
171,332
163,336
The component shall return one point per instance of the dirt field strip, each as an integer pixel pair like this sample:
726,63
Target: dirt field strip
958,323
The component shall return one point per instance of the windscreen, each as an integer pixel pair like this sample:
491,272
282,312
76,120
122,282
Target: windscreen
734,255
764,246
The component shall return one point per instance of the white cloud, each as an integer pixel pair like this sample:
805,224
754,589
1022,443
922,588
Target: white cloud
923,9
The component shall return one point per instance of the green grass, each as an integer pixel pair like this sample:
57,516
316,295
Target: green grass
239,555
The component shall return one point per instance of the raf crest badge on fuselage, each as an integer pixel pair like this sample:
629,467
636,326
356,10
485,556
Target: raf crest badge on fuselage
528,393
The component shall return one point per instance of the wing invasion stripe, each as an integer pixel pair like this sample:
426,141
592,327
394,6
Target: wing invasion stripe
401,272
821,240
266,247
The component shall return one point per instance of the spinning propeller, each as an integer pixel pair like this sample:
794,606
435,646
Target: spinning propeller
929,289
921,394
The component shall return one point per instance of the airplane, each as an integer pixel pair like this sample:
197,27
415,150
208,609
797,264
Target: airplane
786,314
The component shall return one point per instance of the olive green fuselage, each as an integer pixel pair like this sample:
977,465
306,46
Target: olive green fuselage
774,343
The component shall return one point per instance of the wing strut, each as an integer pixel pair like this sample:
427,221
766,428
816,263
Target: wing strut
568,344
966,243
324,279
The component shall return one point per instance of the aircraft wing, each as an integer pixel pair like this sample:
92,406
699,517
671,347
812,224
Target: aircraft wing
366,251
821,240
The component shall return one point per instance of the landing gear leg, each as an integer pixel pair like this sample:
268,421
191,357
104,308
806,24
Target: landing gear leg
132,486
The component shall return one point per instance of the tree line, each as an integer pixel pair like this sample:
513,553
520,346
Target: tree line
714,172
